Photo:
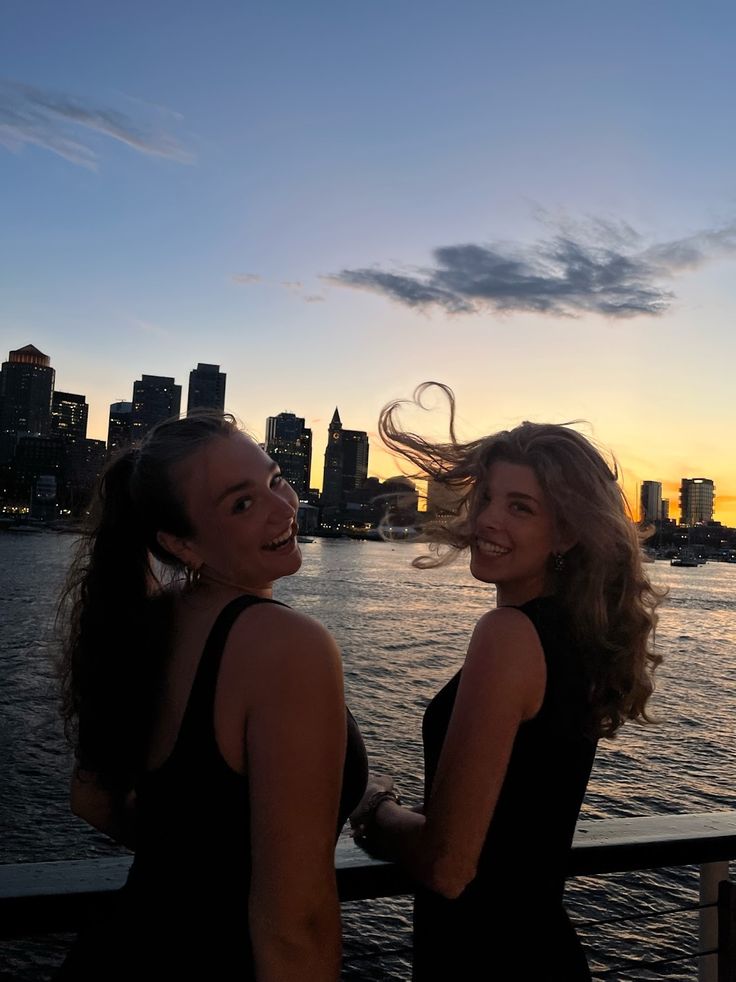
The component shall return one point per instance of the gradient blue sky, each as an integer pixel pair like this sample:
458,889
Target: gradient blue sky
265,186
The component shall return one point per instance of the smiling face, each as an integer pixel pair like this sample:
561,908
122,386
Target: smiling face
243,513
514,534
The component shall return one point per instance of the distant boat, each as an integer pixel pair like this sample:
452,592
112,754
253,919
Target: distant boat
303,538
685,559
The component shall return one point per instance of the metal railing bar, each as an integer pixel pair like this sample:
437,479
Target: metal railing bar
623,918
649,965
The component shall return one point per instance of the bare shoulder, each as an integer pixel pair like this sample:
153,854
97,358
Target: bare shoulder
507,625
505,650
276,637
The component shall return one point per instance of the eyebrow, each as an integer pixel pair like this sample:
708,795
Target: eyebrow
243,485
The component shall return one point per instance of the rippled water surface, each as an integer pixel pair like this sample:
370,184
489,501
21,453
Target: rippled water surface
403,634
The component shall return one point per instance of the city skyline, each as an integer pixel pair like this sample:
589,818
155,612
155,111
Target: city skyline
532,203
667,490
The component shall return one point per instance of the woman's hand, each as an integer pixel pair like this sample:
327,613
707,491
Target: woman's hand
380,788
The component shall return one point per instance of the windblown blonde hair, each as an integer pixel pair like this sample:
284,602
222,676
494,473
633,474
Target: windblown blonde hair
610,602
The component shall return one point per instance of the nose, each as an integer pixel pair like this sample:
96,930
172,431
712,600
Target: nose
284,502
489,515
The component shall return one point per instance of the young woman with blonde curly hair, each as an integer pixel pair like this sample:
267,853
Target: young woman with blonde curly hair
564,658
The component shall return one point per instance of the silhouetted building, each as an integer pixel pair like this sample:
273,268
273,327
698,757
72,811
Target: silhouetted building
206,388
155,398
43,504
119,426
36,455
289,443
69,417
650,502
442,499
697,496
664,511
346,462
26,385
87,462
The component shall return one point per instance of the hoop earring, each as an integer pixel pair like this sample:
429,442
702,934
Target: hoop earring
559,561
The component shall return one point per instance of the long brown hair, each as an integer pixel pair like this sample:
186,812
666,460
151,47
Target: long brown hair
114,609
611,604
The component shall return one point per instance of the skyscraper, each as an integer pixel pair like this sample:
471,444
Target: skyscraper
697,495
289,442
69,416
650,502
346,462
26,384
155,398
119,426
206,388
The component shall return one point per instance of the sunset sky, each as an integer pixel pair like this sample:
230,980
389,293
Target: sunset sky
533,202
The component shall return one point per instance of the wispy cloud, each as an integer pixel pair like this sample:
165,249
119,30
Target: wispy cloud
63,124
313,298
245,278
598,266
148,327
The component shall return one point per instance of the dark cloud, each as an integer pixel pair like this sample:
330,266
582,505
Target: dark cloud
59,123
598,267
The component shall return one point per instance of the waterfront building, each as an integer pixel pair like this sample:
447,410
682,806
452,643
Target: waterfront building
664,511
69,417
697,496
26,385
36,455
346,462
119,426
650,502
442,499
289,443
155,398
206,388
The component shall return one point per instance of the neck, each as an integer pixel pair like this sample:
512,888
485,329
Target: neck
209,577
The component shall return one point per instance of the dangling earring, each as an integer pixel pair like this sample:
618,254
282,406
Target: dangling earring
193,575
559,558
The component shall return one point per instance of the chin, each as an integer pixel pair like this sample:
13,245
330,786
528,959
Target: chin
478,573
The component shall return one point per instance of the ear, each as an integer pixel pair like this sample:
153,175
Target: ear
565,541
182,549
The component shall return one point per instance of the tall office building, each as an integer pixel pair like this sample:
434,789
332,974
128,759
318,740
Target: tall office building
206,388
155,398
650,502
119,426
289,442
69,416
26,385
346,462
697,495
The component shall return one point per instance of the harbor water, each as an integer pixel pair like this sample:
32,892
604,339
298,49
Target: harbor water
403,634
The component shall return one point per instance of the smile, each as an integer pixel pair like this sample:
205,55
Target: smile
490,548
283,540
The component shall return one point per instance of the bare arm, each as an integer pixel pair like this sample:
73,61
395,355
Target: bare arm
113,814
502,685
295,745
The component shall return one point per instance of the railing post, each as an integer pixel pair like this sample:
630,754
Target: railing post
711,875
727,931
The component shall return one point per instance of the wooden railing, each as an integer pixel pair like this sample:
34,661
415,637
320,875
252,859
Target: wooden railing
57,896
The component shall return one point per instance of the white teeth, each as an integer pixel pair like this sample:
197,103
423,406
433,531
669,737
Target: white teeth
490,548
275,543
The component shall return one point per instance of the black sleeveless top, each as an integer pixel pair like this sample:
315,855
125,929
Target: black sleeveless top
509,923
184,909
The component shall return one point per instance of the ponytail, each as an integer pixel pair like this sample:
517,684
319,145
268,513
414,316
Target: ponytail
114,611
108,655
